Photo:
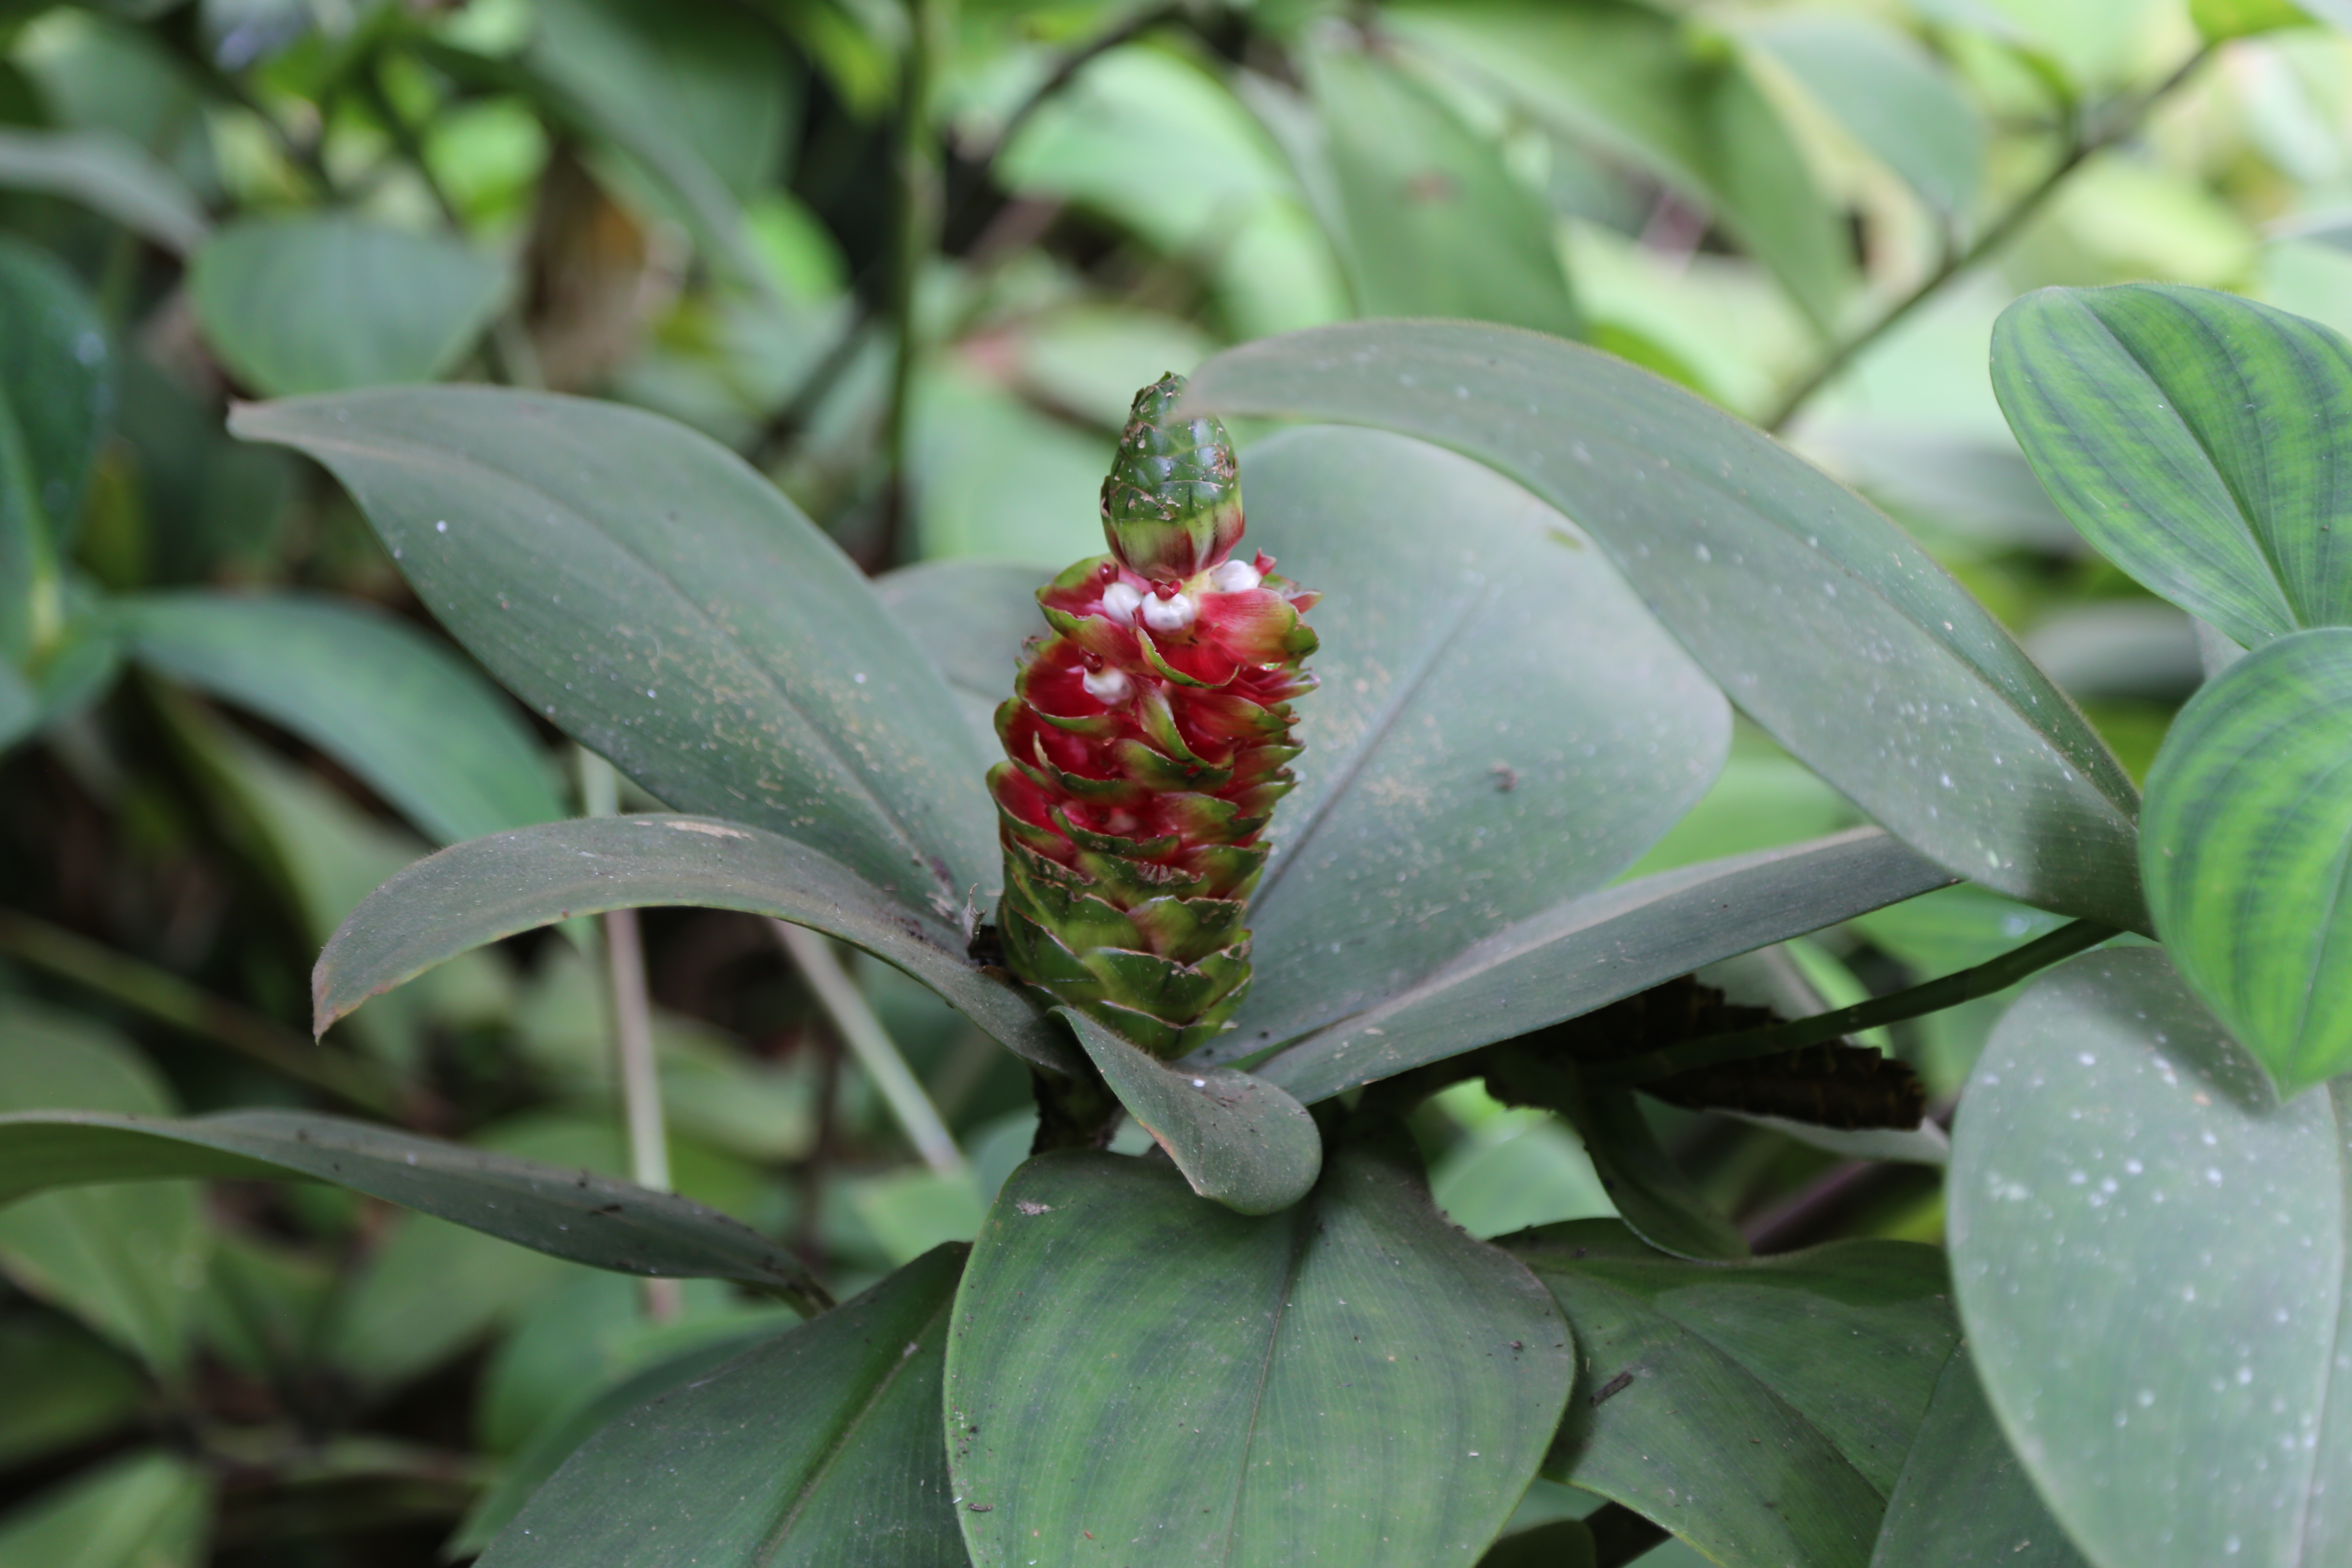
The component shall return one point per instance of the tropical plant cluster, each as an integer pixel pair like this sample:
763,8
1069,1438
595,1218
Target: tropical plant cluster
1662,877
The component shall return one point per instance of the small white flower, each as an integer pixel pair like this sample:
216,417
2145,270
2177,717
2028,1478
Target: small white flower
1172,613
1119,601
1108,687
1235,577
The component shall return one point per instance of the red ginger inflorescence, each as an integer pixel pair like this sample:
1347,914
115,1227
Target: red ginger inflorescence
1147,742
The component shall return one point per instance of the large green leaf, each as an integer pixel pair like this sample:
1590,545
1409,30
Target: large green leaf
55,393
1822,620
128,1261
571,1213
414,723
1657,1201
149,1509
1430,220
1896,99
2196,439
491,888
1237,1139
521,1474
1761,1411
644,588
1500,724
1963,1499
2149,1251
822,1446
108,172
972,617
1636,78
324,302
1351,1380
1588,951
2246,848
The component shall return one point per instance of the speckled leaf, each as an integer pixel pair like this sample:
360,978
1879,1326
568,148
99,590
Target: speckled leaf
491,888
415,723
2246,847
568,1213
1237,1139
819,1448
643,587
2196,439
2149,1252
1590,951
1963,1500
1500,724
1821,619
972,617
1761,1411
1351,1380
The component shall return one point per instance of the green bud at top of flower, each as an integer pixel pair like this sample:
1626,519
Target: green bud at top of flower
1172,505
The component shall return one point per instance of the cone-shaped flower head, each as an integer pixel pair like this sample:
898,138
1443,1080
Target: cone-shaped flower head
1172,505
1147,742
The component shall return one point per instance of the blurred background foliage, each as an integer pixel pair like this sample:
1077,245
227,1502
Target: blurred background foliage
911,260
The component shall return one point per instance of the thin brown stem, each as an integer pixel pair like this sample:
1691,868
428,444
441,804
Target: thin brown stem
2081,147
165,997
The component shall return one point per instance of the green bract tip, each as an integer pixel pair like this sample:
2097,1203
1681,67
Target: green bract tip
1172,505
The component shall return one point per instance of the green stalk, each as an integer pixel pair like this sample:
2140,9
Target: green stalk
165,997
920,203
2081,146
1933,996
633,1067
871,1043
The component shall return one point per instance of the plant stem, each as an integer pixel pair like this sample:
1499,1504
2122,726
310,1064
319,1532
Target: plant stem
1124,30
633,1067
165,996
863,1032
917,238
2080,148
1933,996
304,155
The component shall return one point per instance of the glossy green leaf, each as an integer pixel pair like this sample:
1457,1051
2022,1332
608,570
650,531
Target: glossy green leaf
1432,221
2149,1251
1963,1499
1899,104
1761,1411
109,174
128,1261
487,889
643,587
1825,623
1590,951
414,722
1637,80
527,1469
323,302
2195,438
821,1446
571,1214
1237,1139
55,392
149,1509
1657,1202
1498,712
1351,1380
2246,847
